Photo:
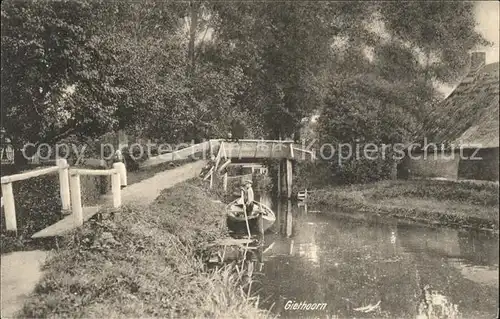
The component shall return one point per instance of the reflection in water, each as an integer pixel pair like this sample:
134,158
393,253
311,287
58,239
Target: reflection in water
265,199
479,248
479,274
441,241
302,208
309,251
435,305
305,238
289,219
281,217
354,265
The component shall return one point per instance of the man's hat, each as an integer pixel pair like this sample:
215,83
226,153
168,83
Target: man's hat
248,182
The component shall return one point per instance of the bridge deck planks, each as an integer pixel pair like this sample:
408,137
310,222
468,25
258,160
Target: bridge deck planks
257,150
66,224
254,149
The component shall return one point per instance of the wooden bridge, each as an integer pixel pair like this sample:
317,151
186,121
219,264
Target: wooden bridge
219,151
241,151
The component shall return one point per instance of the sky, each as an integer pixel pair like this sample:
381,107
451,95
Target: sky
487,15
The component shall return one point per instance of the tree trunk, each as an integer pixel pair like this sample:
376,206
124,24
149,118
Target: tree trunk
193,25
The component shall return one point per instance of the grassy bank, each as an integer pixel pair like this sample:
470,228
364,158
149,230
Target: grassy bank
144,263
430,201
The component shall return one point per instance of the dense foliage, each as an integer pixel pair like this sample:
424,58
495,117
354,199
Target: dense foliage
182,71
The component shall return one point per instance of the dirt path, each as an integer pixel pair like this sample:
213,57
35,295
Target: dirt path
146,191
20,273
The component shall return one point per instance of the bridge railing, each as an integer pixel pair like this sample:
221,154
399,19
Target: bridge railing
204,148
8,194
220,155
118,179
234,150
268,149
69,188
294,150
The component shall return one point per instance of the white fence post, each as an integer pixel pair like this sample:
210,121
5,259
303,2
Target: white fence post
279,178
115,189
122,170
9,207
64,184
76,199
225,182
210,149
289,177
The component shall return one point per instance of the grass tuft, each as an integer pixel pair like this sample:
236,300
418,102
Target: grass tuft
144,263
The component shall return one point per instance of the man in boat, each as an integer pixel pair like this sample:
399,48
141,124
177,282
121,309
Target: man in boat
248,197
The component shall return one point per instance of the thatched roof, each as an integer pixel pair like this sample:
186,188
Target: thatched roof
485,132
469,115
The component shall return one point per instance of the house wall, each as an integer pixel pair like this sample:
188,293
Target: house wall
441,165
453,167
484,168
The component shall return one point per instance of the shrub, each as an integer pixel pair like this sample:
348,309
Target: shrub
38,205
311,175
262,183
357,171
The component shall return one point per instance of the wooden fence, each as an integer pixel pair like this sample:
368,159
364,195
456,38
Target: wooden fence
70,189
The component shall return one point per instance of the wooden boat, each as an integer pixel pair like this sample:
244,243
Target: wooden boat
259,221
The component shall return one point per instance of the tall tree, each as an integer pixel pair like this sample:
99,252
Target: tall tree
283,48
442,32
47,48
388,98
177,71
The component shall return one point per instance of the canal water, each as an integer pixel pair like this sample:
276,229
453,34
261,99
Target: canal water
318,264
